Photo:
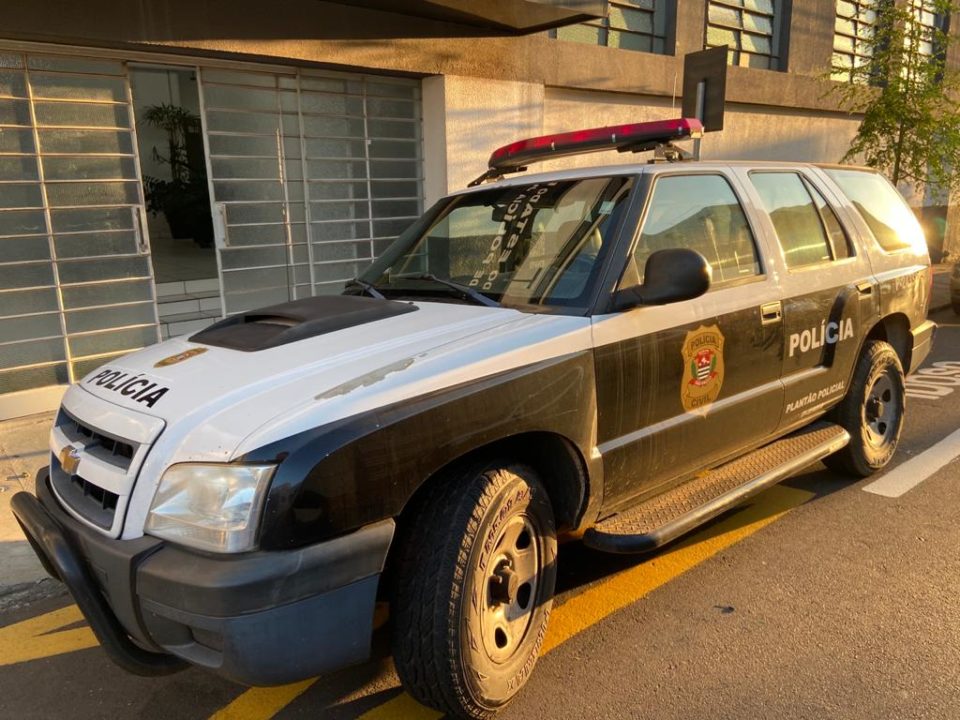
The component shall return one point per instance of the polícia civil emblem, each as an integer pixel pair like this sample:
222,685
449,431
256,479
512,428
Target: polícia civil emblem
702,369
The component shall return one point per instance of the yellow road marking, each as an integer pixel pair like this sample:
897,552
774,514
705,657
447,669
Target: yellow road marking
262,702
402,707
593,605
37,638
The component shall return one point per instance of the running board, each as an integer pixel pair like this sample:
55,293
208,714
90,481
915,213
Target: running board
665,517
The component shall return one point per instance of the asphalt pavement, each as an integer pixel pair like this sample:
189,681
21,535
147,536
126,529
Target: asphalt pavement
819,599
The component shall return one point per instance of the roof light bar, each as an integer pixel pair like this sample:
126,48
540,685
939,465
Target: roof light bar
635,136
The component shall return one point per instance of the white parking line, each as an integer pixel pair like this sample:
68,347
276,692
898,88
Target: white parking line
914,471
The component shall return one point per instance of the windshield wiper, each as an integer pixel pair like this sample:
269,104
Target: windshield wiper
468,291
370,288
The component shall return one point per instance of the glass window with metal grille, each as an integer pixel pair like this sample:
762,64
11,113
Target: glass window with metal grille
630,25
749,28
853,32
926,23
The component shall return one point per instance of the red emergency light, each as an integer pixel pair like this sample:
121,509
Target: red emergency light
635,136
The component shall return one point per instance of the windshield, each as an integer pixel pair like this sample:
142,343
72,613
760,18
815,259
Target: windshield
536,244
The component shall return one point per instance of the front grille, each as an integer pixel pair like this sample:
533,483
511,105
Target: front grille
112,450
92,502
82,494
89,500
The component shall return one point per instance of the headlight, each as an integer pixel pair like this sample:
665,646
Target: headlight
210,507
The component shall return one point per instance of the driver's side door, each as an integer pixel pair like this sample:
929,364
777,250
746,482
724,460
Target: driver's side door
686,385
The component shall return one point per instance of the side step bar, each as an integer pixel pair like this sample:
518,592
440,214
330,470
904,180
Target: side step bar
665,517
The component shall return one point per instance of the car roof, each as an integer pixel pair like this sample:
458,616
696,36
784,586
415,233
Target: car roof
645,168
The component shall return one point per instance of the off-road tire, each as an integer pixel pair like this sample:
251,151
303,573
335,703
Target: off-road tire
878,376
442,586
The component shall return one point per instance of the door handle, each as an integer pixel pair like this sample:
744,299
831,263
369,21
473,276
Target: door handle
771,313
865,288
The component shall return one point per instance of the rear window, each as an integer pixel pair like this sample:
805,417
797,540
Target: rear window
888,216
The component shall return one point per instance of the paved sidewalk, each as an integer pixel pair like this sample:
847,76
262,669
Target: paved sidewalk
23,450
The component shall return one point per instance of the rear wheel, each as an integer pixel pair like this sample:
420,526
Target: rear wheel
871,411
473,590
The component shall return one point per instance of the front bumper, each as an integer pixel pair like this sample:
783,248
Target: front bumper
263,618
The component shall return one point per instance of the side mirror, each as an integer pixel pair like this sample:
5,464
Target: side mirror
669,276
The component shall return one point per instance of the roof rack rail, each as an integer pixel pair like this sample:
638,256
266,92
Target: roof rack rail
634,137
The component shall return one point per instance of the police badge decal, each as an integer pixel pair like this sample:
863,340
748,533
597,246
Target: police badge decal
702,369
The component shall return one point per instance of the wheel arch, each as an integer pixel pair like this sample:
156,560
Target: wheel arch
556,459
558,462
895,330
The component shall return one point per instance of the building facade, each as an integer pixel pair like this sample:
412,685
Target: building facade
165,163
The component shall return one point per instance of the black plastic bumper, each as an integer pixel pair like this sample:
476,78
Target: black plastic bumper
258,618
62,562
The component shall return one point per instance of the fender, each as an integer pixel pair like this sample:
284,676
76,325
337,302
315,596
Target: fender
338,477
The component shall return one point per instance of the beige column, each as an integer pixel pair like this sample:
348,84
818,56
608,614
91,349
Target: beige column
465,119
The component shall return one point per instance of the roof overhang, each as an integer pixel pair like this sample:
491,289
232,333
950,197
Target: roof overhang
507,17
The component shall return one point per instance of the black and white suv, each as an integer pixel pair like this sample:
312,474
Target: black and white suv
623,352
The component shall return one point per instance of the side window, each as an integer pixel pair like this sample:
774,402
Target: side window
794,216
699,212
888,216
838,236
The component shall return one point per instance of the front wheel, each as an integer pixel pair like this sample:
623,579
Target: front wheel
871,411
473,590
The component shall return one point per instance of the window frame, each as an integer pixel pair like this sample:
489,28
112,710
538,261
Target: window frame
779,33
663,14
856,53
649,192
851,246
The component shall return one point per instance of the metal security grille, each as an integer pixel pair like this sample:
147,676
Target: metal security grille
75,278
629,25
312,175
854,29
927,22
749,28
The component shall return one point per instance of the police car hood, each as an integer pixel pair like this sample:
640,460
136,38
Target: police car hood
218,403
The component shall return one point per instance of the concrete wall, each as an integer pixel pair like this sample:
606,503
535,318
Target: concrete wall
298,31
751,132
467,118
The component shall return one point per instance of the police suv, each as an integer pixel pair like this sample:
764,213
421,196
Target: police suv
620,353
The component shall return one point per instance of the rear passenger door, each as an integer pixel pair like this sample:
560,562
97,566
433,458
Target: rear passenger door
828,291
686,385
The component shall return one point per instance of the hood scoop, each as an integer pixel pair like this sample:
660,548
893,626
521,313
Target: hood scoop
278,325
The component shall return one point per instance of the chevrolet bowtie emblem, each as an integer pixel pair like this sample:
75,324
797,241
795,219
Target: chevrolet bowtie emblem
70,459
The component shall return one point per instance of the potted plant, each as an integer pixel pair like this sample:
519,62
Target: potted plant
184,199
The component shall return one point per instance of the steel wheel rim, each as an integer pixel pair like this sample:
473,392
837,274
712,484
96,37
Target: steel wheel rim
881,411
510,588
